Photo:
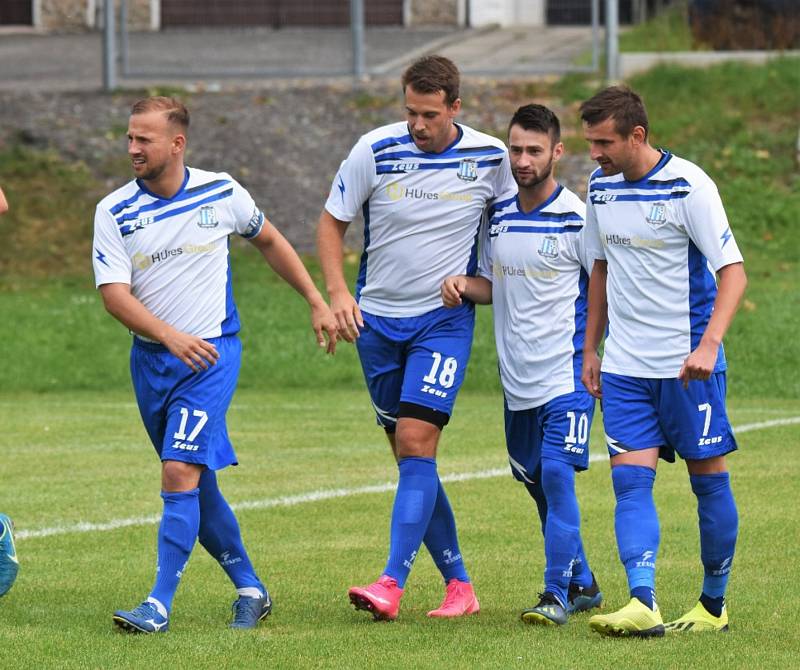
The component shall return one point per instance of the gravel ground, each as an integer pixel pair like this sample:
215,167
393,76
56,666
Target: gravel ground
283,142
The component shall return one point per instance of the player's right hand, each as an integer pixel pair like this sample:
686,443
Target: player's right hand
452,290
590,375
348,315
194,351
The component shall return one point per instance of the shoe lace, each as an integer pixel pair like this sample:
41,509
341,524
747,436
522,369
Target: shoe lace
146,610
452,593
243,610
547,598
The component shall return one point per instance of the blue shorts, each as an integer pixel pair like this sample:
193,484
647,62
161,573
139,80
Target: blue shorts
184,411
419,360
559,429
645,413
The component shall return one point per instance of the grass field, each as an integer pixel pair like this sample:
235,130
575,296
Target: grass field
315,487
83,458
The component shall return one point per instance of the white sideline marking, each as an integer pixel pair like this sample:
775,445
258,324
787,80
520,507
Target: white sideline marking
325,494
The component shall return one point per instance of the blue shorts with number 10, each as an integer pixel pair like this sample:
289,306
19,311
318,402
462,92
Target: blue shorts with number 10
559,429
419,361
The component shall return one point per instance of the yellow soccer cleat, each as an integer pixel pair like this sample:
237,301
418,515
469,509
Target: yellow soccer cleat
699,620
634,620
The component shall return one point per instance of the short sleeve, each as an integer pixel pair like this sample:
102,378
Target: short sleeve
707,226
504,180
248,219
110,259
592,242
353,184
485,262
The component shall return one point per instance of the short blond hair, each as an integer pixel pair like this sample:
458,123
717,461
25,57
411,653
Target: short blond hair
174,109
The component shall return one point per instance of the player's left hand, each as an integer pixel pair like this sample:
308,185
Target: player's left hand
324,324
452,290
699,364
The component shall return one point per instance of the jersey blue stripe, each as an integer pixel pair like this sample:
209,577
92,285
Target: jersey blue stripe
638,197
539,216
461,153
191,193
537,229
650,184
127,230
390,169
390,142
116,209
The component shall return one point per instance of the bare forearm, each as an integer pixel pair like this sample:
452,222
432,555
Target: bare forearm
478,290
732,283
330,245
283,259
597,315
131,313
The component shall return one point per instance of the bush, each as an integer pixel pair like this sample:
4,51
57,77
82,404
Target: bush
746,24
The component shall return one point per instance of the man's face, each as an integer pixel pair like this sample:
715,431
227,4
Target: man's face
613,152
153,144
430,119
532,155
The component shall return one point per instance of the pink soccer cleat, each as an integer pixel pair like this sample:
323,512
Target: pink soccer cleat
381,598
458,600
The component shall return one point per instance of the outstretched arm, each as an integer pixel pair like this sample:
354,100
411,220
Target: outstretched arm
283,259
699,364
330,235
128,310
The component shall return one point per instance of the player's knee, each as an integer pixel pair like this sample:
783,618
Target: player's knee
558,478
177,476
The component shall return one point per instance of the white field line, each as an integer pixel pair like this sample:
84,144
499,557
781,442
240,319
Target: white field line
323,494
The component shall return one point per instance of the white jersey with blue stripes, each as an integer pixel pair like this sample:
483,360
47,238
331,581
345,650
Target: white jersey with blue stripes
173,252
539,267
422,213
664,237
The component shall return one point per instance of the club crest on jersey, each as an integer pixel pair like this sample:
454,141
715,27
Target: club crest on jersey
549,248
658,214
207,217
467,170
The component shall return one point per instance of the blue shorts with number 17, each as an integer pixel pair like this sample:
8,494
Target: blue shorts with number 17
184,411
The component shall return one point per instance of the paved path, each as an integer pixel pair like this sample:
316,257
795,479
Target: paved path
36,62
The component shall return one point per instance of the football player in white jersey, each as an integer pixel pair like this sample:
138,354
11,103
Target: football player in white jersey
534,270
422,186
658,223
161,263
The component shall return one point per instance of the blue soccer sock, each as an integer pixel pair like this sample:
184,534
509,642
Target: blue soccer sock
581,572
413,506
441,539
220,535
719,527
562,531
636,526
176,536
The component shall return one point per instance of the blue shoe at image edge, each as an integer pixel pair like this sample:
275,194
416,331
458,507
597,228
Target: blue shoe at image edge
247,612
9,564
143,619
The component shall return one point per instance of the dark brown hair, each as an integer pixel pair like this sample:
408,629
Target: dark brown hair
431,74
619,103
174,109
538,118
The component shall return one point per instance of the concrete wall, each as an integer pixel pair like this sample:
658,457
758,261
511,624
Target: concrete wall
70,15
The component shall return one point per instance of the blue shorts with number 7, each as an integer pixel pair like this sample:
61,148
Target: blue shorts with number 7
643,413
419,360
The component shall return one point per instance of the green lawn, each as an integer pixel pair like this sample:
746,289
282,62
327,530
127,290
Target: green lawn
83,457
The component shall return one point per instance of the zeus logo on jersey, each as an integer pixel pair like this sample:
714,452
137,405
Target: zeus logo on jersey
185,446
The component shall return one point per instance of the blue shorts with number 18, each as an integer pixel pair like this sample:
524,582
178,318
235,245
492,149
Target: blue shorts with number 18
419,360
184,411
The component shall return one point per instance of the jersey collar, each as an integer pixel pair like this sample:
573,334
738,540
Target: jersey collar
144,188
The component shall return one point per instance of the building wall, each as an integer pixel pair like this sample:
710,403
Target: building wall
433,12
65,15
